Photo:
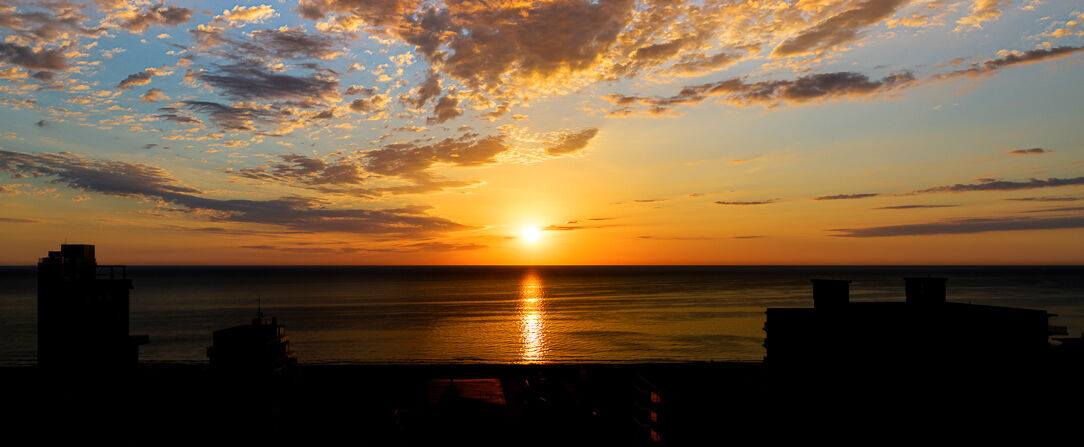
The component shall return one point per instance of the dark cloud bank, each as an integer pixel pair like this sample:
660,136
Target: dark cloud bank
138,180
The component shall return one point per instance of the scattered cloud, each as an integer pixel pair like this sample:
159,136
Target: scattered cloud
989,184
142,78
249,81
134,20
45,59
304,170
964,226
991,66
1032,151
1046,199
811,88
154,95
571,141
749,203
839,29
1057,210
847,196
911,207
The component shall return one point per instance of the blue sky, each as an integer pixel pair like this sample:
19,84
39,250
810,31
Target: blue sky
398,131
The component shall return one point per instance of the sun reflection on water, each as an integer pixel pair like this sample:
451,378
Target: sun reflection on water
531,318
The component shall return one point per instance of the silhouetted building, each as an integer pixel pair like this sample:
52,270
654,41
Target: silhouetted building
647,408
258,349
924,328
83,312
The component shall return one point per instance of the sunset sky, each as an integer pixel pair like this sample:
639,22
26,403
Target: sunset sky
544,132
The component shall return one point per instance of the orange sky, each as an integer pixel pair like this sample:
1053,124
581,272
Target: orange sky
609,132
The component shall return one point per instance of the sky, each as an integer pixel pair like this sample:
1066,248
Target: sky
543,132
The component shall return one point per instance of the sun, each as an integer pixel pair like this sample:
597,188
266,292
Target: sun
531,234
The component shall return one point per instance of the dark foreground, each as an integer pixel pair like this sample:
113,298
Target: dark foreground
684,404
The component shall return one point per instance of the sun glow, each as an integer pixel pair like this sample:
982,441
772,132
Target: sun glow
531,234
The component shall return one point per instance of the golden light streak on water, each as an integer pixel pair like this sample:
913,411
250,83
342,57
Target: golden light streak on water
532,320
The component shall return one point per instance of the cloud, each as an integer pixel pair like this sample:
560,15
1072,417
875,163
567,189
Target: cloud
965,226
677,238
299,169
1045,199
14,220
52,59
488,47
758,202
910,207
447,108
136,21
424,246
369,105
811,88
177,116
1004,185
1057,210
409,160
847,196
154,95
359,90
142,78
249,81
48,23
838,29
570,141
697,64
139,180
981,11
241,15
241,117
290,43
372,13
991,66
1032,151
399,161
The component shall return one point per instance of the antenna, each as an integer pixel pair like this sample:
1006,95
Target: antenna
259,307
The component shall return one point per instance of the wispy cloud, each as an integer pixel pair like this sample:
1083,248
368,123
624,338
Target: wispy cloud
1032,151
847,196
138,180
989,184
911,207
756,202
964,226
1045,199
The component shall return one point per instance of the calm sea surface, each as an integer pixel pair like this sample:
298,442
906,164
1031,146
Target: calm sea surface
510,314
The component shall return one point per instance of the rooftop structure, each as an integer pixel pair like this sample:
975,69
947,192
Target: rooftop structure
924,328
83,312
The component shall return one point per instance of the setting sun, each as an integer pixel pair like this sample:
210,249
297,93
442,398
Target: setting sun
531,234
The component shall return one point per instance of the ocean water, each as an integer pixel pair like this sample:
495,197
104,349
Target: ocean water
510,314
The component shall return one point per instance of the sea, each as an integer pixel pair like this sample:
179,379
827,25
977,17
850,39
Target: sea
510,314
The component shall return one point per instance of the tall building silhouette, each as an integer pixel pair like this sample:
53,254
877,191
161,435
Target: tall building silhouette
83,313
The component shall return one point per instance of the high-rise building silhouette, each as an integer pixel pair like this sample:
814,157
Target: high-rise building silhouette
83,313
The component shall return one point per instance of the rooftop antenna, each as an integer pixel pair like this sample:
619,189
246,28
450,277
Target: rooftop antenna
259,307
